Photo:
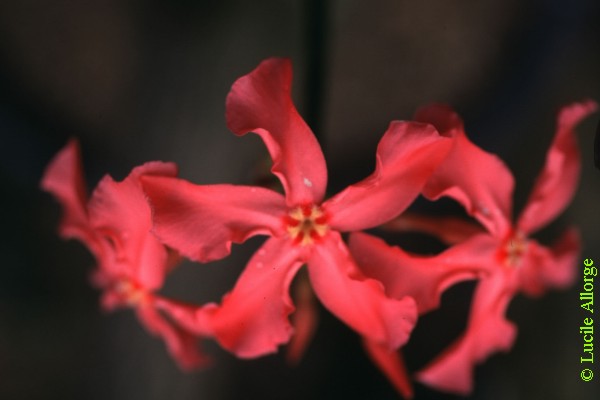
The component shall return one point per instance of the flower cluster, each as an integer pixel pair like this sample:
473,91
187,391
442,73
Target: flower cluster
139,229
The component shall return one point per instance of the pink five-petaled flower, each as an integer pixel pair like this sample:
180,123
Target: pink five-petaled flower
115,225
202,221
483,184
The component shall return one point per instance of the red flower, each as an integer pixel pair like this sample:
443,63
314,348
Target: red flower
515,262
202,221
115,225
505,260
422,278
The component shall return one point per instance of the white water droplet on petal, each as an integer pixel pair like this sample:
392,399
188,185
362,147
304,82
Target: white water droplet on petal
262,252
307,182
253,190
259,264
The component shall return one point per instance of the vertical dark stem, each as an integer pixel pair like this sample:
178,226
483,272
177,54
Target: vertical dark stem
316,17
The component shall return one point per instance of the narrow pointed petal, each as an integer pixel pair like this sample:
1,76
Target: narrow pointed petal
448,229
487,333
305,320
192,318
120,212
202,221
556,184
546,268
391,364
407,155
182,345
480,181
64,179
358,301
253,318
261,102
422,278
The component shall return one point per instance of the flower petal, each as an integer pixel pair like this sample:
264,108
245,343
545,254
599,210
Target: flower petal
192,318
261,102
422,278
557,182
479,180
391,364
182,345
450,230
64,179
565,253
201,221
304,319
120,212
407,155
253,318
487,332
544,268
357,300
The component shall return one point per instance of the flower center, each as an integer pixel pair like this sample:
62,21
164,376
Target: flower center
514,249
129,292
306,224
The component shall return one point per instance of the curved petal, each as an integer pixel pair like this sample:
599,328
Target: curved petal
565,252
391,364
63,178
422,278
557,182
545,268
201,221
407,155
450,230
304,319
253,318
480,181
357,300
182,345
192,318
120,212
261,102
447,122
487,333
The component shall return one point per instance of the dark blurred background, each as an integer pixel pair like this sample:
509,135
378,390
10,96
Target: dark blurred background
146,80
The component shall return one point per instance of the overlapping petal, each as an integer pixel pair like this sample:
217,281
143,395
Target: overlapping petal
480,181
448,229
119,211
422,278
182,345
64,179
562,272
192,318
488,332
557,182
261,102
304,319
544,268
357,300
407,155
253,318
201,221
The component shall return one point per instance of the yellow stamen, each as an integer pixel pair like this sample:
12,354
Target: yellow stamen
305,224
